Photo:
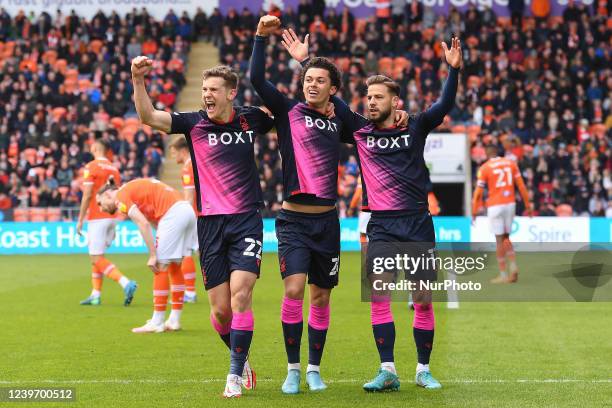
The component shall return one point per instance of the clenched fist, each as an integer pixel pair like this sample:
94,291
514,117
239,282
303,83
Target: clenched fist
267,25
141,66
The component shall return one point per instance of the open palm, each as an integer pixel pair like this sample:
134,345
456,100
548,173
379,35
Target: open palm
453,54
297,49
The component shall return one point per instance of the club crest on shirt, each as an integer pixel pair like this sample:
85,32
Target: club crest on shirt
243,123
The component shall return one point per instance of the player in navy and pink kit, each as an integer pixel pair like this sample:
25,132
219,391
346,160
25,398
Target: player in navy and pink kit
307,227
228,196
395,181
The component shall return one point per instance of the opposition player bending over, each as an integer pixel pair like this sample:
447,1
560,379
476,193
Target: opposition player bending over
500,175
395,181
228,194
100,225
307,226
179,150
146,202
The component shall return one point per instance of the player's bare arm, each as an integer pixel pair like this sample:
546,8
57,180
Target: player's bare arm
267,25
145,229
87,194
147,113
189,194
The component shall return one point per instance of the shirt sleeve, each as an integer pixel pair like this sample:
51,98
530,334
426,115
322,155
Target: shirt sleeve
89,174
433,117
183,122
481,177
272,97
124,202
264,122
351,121
187,178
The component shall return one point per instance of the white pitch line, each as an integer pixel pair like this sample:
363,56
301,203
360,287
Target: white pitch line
347,380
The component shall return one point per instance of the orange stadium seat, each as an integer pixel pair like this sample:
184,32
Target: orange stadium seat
399,64
54,214
38,214
428,34
58,113
95,46
360,26
21,215
63,190
117,122
343,63
473,81
473,131
70,85
61,65
149,47
72,74
128,133
49,57
564,210
84,85
504,22
132,122
598,129
458,129
385,66
9,48
528,23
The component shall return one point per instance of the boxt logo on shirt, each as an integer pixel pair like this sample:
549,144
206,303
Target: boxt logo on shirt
321,124
388,142
228,138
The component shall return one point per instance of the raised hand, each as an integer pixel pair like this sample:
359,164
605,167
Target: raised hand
453,55
141,66
401,118
267,25
297,49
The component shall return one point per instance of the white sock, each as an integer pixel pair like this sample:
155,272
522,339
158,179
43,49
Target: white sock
95,293
175,315
313,368
422,367
503,274
389,366
293,366
158,317
123,281
190,293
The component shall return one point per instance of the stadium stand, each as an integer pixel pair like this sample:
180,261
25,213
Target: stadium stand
542,90
64,82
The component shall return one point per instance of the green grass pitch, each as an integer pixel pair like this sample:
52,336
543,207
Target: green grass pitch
485,354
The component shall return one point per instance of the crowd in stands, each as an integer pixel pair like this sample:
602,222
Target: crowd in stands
64,82
540,88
